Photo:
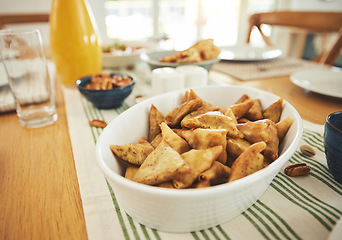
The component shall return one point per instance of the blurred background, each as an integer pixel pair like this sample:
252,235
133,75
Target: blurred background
179,23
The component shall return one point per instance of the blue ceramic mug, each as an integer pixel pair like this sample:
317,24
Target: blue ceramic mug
333,144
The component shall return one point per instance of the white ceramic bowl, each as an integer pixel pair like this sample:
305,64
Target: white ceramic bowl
185,210
152,59
113,61
110,60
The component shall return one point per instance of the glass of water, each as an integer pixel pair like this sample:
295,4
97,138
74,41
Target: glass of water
23,57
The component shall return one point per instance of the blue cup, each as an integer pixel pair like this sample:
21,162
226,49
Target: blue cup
333,144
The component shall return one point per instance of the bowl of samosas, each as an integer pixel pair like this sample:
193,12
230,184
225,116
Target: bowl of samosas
192,159
106,90
204,53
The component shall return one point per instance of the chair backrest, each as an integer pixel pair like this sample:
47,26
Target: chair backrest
317,22
23,18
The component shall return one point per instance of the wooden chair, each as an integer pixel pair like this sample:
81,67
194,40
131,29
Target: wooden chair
311,22
23,18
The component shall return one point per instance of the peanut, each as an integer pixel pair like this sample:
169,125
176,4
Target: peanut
307,150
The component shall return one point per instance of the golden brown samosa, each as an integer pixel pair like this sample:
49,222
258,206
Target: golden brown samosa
213,120
198,161
162,165
201,138
155,119
250,161
173,139
262,130
134,153
273,112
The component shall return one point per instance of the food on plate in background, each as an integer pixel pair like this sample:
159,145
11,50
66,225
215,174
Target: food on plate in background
201,51
119,49
197,144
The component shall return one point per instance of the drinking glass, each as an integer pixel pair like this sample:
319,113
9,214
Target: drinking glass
23,57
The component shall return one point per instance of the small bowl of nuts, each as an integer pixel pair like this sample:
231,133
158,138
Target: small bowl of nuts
106,90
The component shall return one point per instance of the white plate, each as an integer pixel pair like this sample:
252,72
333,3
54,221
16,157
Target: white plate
326,82
247,53
110,60
152,59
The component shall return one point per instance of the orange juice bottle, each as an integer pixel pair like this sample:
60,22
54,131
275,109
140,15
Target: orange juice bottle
74,40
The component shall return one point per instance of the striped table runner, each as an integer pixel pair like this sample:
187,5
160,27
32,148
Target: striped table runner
291,208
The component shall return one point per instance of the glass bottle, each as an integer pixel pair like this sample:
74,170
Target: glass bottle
74,40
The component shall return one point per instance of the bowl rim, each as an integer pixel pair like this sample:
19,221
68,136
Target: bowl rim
146,58
145,47
283,158
134,54
88,77
329,121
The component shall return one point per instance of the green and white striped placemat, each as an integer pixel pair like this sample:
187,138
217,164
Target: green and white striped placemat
291,208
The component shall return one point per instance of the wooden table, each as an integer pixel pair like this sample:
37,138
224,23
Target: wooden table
39,191
311,106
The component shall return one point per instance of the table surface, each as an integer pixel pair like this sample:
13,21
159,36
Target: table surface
40,196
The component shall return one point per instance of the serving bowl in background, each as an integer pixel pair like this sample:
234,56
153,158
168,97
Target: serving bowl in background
116,61
105,99
124,54
186,210
152,59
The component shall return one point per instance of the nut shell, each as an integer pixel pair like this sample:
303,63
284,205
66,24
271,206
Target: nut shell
307,150
297,169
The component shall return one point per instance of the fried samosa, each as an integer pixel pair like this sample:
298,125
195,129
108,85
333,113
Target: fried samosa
273,112
250,161
173,139
213,120
283,127
217,173
198,161
262,130
162,165
134,153
155,119
201,138
174,117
